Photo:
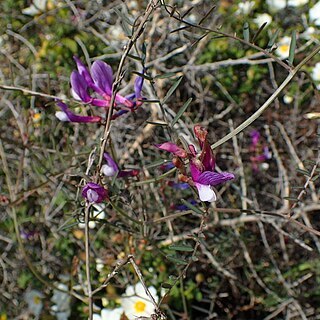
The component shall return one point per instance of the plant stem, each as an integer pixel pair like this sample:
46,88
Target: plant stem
87,249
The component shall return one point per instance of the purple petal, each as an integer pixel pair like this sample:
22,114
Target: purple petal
128,173
83,71
214,178
138,83
94,193
102,76
266,152
124,100
207,157
73,117
79,86
173,148
255,136
195,170
111,168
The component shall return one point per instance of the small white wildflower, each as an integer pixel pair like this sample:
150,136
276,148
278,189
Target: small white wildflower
34,300
276,5
245,7
287,99
136,303
314,14
262,18
283,47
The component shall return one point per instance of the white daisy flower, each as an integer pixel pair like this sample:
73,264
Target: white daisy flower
34,300
136,303
283,47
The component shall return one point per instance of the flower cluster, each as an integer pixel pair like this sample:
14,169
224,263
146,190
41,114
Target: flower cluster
95,88
202,165
134,303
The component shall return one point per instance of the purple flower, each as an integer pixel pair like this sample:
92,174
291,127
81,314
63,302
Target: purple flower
202,165
94,193
66,115
260,152
255,137
94,87
110,168
100,81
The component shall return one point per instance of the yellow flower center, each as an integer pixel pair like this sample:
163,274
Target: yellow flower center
139,306
36,116
284,49
36,300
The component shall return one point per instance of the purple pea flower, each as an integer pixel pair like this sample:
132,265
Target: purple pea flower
94,193
202,165
100,81
260,152
110,168
66,115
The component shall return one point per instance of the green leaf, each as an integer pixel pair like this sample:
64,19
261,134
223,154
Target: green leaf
184,248
176,259
292,49
166,285
290,199
192,207
165,75
171,90
273,39
246,31
255,37
142,75
158,123
134,57
315,177
180,112
304,172
157,163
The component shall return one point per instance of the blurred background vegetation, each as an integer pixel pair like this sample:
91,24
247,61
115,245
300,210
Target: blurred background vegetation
249,265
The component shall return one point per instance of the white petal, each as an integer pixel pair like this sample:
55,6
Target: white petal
108,171
206,193
92,195
92,224
96,317
31,11
74,95
62,116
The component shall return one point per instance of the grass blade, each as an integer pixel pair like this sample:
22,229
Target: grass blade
171,90
180,112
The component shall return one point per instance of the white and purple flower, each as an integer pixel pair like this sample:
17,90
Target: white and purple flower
110,168
94,87
94,193
202,165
